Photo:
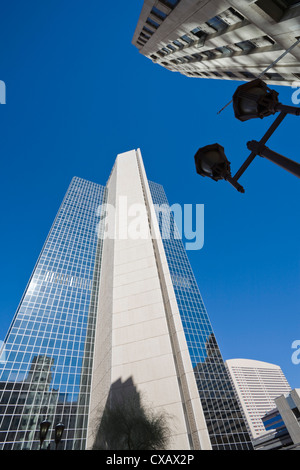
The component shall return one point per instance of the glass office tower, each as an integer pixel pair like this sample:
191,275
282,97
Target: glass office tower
49,350
50,340
225,423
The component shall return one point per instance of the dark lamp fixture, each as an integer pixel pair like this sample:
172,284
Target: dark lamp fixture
211,161
44,426
254,100
59,429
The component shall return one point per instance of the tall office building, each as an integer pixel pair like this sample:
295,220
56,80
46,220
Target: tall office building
222,39
112,309
48,348
257,384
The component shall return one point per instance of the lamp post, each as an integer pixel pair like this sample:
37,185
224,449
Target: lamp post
59,429
44,426
251,100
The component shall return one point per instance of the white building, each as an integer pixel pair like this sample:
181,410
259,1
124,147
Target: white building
257,384
137,308
141,341
222,39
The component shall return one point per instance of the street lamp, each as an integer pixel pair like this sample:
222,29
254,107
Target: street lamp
44,426
59,429
211,161
251,100
256,100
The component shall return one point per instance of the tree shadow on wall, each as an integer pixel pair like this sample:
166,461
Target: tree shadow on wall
127,423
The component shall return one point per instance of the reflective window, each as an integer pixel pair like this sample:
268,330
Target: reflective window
50,342
225,50
170,3
178,44
217,24
152,23
246,46
222,412
187,39
160,14
277,8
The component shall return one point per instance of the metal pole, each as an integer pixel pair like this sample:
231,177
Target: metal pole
235,184
284,162
268,68
264,139
288,109
279,58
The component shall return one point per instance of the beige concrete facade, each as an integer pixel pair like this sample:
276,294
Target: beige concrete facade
286,411
222,39
139,335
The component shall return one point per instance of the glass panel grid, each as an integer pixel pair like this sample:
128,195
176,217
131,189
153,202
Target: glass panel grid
50,341
225,422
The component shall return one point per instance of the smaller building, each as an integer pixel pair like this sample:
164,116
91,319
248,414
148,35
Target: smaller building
222,39
282,425
257,385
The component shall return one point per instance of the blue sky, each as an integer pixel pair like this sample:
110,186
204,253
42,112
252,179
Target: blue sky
79,93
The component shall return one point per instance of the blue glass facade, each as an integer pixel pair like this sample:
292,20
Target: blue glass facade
224,420
48,348
273,420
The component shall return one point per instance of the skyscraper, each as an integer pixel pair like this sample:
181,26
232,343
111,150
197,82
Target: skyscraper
50,340
222,39
113,308
257,384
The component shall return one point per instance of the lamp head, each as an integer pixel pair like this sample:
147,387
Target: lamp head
44,426
254,100
59,429
211,161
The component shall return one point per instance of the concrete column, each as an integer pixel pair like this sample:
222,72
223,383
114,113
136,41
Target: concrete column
289,418
134,345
